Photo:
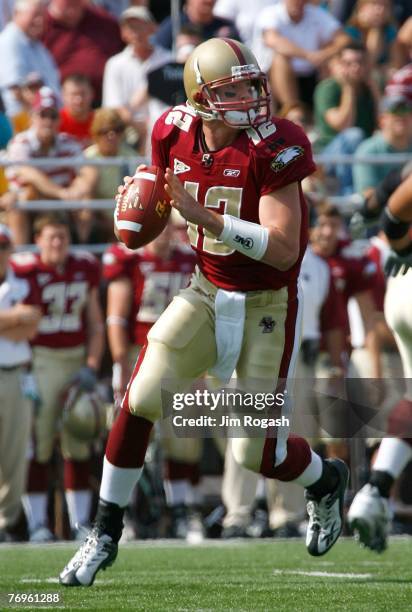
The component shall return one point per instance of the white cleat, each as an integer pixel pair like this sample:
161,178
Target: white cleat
369,517
326,514
96,553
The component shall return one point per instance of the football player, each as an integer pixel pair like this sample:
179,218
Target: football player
369,515
67,349
141,285
234,175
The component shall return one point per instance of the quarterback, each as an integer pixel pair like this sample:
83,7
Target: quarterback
234,175
369,515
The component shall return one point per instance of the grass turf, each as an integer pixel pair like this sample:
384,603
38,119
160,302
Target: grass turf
244,575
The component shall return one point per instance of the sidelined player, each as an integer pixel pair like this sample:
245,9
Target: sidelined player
369,515
235,176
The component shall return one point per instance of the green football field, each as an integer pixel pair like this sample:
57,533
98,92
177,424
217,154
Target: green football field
245,575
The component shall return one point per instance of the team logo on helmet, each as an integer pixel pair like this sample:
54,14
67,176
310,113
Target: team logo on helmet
286,157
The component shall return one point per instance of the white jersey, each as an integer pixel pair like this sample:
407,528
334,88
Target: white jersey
13,290
315,281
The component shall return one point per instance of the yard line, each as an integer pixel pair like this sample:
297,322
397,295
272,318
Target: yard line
54,580
317,574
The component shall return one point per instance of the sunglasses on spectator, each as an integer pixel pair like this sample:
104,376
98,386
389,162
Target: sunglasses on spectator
34,86
117,129
49,114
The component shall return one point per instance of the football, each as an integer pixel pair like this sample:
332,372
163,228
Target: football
143,208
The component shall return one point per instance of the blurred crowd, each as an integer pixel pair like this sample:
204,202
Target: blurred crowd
86,80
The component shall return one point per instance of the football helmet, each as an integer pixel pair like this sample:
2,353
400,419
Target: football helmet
219,62
84,413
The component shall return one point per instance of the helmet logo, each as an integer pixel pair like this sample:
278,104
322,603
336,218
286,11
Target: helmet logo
239,71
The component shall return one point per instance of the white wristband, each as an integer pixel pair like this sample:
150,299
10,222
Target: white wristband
250,239
116,320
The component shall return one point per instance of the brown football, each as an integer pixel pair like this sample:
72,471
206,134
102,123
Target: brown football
143,209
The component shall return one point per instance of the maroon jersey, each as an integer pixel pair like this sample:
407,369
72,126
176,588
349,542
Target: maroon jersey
352,271
232,180
155,282
63,294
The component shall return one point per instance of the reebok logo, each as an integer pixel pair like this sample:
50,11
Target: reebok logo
231,172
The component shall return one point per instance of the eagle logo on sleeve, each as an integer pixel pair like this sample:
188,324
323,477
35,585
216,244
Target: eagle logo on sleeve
286,157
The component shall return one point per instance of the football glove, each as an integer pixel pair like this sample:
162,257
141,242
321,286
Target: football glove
86,378
398,263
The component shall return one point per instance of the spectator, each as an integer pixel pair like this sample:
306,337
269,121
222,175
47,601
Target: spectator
6,133
125,82
22,52
404,41
18,324
76,116
6,12
242,13
6,130
394,136
314,185
41,140
116,7
81,39
197,13
345,110
372,24
107,131
292,40
166,82
25,93
342,9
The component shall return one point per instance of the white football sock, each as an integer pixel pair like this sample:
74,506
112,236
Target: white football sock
177,491
78,506
118,483
312,473
35,507
261,488
393,456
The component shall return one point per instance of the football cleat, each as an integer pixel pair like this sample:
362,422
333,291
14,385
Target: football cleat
326,514
369,517
96,553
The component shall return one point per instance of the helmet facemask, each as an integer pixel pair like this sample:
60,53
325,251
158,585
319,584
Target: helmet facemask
242,112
